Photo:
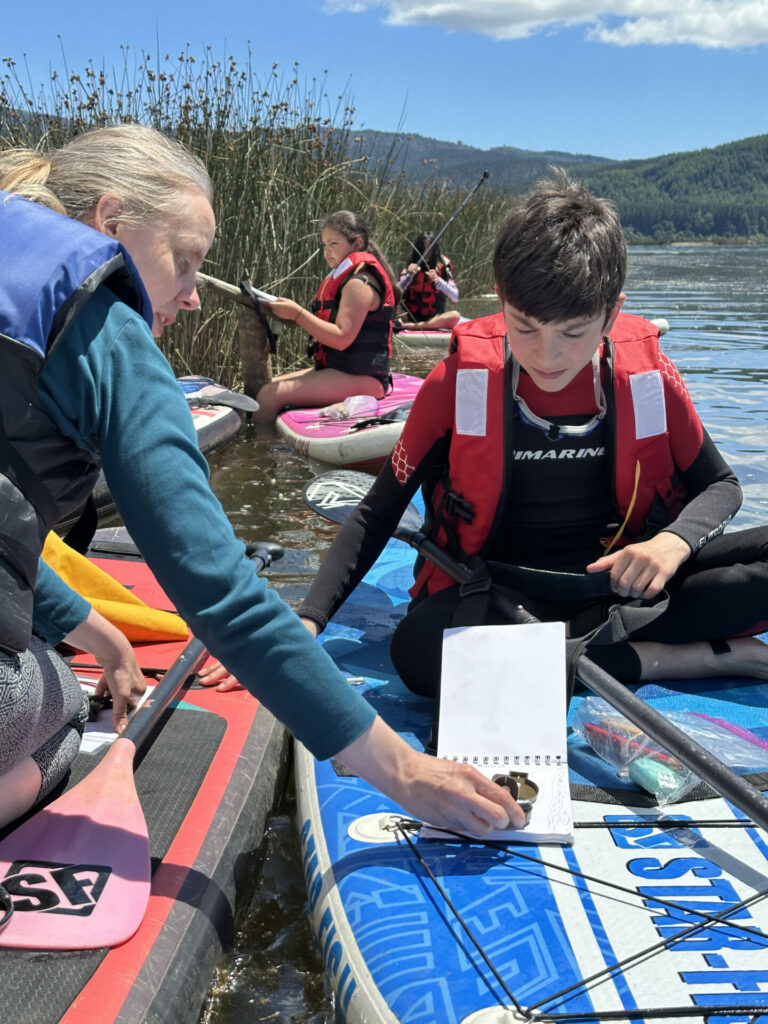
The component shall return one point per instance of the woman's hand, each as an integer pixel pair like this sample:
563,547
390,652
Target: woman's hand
122,678
213,673
311,626
642,570
443,793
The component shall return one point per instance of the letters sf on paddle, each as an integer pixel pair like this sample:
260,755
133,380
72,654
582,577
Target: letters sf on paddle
51,888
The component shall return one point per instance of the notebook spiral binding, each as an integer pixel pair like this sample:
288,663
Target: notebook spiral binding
494,760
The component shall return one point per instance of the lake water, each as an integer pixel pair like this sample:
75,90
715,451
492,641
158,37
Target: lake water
716,301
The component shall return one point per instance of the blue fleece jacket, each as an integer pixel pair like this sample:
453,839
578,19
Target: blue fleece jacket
110,388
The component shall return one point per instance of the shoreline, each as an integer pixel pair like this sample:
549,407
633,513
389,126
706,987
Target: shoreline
689,242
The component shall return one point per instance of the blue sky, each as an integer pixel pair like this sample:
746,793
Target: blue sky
587,76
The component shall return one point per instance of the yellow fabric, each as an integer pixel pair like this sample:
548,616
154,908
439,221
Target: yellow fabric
129,613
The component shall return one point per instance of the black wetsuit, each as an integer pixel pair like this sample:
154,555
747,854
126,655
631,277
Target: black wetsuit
554,523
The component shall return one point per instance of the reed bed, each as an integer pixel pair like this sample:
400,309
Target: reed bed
282,154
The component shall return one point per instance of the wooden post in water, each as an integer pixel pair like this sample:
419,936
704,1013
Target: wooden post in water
255,358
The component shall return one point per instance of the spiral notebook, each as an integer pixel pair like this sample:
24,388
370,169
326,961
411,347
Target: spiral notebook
503,709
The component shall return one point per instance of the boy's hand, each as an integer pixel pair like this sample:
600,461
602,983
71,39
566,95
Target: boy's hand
642,570
213,673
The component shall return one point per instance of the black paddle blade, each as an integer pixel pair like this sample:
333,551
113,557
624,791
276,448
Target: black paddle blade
335,494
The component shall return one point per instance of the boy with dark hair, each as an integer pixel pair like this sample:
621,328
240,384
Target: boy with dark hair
556,437
561,254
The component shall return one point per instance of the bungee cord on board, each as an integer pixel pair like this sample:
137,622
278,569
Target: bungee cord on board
534,1011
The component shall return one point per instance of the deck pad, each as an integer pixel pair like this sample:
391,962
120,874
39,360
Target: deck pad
207,779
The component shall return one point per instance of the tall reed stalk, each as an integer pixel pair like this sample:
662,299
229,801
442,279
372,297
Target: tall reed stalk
282,154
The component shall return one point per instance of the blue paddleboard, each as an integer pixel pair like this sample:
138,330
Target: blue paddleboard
650,915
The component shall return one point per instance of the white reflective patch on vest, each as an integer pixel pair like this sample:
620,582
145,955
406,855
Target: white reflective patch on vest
471,402
648,401
342,267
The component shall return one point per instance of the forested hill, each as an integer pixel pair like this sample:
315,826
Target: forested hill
708,193
422,159
720,192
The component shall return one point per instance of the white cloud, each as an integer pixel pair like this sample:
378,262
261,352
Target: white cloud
722,24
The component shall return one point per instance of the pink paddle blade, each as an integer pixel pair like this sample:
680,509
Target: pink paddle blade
78,871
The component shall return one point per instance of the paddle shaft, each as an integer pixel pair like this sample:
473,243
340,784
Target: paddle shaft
693,755
228,291
406,283
145,717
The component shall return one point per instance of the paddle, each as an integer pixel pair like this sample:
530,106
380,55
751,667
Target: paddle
232,291
335,494
78,871
202,392
405,284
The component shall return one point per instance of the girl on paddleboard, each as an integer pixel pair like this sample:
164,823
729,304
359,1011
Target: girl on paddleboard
350,323
427,281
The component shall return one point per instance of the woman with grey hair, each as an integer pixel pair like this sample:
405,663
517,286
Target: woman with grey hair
81,297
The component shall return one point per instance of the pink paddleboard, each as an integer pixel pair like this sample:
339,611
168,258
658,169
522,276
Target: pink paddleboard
353,441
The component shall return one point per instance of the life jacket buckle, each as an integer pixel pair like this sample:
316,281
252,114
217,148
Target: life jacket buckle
478,583
457,507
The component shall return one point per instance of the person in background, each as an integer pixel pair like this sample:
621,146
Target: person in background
83,386
557,437
427,281
350,322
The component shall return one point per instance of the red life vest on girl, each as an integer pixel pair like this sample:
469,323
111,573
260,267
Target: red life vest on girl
647,492
370,352
423,300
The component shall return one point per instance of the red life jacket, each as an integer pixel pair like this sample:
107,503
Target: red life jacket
647,493
423,300
370,352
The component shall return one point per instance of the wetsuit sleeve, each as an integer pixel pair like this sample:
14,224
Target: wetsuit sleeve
446,283
367,529
108,386
58,609
714,493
